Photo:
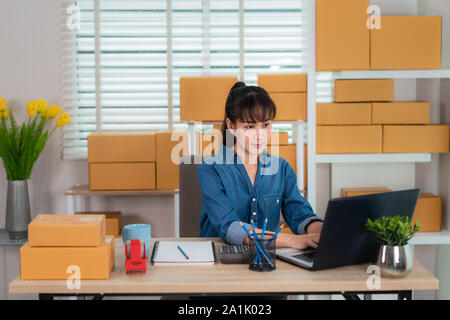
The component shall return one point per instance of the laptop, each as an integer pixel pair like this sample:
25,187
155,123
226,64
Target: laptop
344,240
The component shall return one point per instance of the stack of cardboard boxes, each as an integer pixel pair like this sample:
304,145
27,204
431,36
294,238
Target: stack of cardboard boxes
364,119
428,211
135,160
409,42
59,245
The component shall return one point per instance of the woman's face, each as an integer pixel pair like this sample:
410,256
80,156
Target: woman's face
251,136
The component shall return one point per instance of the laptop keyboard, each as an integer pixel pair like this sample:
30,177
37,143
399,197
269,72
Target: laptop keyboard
309,257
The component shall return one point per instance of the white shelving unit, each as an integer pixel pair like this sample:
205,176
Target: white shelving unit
427,85
373,158
397,74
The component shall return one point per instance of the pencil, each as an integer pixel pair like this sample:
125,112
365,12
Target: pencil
274,235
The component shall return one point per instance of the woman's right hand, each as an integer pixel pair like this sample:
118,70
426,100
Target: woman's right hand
301,241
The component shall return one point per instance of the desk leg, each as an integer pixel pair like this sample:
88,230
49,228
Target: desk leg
405,295
176,211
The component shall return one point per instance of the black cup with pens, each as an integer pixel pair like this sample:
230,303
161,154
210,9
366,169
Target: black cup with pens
262,253
262,248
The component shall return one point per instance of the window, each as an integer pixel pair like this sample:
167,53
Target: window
121,66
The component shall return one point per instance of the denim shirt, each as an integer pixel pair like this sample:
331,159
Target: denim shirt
230,198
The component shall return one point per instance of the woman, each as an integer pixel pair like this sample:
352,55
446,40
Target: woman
243,182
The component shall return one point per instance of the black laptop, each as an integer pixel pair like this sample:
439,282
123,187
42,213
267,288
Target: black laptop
344,240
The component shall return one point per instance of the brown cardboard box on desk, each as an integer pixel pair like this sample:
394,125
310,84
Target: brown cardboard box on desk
352,192
428,212
406,42
59,263
349,139
342,36
433,138
113,221
363,90
63,245
203,98
63,230
122,160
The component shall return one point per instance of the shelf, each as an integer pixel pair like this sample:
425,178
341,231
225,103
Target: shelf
431,238
397,74
5,241
83,190
369,158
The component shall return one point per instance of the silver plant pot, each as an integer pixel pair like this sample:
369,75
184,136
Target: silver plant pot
17,210
395,261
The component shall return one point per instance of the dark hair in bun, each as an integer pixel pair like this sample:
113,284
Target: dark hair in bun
247,103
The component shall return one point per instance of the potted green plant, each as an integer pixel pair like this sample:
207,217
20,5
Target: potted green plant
20,147
393,235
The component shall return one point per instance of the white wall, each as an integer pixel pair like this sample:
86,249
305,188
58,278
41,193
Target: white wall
29,70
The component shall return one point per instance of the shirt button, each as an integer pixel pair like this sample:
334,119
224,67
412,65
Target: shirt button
254,199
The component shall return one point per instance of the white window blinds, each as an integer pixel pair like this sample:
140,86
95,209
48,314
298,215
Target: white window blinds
121,67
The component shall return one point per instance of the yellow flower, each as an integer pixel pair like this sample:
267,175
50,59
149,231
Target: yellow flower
32,108
45,111
63,119
54,111
4,114
41,104
2,104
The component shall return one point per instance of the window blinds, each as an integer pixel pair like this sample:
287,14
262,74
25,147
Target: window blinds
120,69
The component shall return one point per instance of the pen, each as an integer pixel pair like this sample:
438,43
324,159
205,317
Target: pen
255,238
184,254
274,235
264,229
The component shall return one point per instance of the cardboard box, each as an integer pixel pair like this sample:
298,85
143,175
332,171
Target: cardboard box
342,36
113,221
406,43
167,169
364,90
203,98
428,212
349,139
290,106
278,138
400,113
343,113
122,176
352,192
433,138
289,153
63,230
121,147
54,263
289,82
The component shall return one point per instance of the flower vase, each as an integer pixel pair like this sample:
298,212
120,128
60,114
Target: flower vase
17,209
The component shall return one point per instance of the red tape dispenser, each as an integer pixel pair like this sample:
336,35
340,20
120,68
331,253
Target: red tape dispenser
135,258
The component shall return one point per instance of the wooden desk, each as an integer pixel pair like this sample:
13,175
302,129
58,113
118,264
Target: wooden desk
228,278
